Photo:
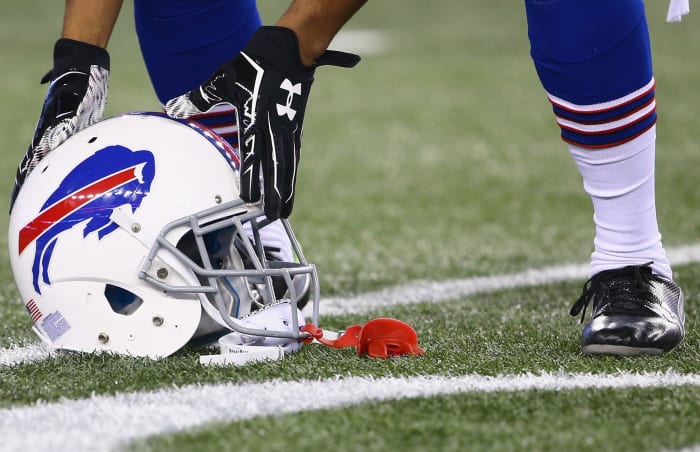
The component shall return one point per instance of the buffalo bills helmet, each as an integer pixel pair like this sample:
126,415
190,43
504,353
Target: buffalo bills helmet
130,238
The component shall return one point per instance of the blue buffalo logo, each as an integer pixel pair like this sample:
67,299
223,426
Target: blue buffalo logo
112,177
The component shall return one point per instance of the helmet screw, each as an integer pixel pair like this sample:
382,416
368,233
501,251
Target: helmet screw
157,320
136,227
103,338
162,273
217,199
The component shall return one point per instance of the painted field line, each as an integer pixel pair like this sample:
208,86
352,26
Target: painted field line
16,354
415,292
441,291
103,423
362,42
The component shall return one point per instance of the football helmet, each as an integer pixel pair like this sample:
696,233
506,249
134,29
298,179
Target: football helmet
131,238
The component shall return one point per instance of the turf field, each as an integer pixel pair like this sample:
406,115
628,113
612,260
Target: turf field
433,189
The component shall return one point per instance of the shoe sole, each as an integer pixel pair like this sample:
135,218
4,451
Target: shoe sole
620,350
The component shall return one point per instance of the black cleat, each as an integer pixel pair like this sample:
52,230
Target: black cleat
635,312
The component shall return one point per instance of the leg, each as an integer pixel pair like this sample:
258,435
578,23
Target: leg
593,59
183,43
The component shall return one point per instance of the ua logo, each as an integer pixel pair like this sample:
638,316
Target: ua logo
291,91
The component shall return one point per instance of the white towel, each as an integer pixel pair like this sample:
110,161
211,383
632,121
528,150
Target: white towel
677,9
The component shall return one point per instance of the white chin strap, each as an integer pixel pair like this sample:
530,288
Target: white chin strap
677,9
238,349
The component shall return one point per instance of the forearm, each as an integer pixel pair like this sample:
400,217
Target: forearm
90,21
315,22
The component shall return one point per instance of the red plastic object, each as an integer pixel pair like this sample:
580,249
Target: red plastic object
384,337
378,338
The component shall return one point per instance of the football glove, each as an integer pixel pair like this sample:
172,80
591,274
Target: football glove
76,98
269,86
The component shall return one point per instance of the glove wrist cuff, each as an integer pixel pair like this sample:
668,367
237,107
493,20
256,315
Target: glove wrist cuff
71,54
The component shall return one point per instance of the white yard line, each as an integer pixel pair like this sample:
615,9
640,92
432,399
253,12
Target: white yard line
415,292
102,423
441,291
362,42
17,354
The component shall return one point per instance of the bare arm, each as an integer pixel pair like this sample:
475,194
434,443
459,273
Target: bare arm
90,21
315,22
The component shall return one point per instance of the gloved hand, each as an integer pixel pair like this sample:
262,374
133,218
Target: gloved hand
269,86
76,98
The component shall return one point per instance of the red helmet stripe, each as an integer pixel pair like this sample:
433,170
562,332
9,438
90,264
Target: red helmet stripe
72,202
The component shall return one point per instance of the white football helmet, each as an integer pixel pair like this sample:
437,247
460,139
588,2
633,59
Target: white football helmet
130,238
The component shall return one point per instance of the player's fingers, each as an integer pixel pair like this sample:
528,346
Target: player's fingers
274,169
250,168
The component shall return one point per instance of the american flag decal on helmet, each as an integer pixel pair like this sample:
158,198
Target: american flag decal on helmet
112,177
34,311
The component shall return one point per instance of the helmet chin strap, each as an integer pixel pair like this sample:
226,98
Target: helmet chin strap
238,348
234,354
378,338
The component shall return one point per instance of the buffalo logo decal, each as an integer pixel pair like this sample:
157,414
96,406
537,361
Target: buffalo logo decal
112,177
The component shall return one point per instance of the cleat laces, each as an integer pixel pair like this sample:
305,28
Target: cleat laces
622,291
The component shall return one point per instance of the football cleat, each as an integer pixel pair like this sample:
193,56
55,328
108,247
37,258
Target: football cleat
635,312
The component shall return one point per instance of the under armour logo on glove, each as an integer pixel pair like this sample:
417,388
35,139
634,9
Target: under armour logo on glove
269,86
291,90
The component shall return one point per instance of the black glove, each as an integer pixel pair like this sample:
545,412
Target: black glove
76,98
269,86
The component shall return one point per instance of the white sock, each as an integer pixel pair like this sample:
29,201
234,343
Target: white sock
620,181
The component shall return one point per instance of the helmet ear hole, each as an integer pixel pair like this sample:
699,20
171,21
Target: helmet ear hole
121,300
